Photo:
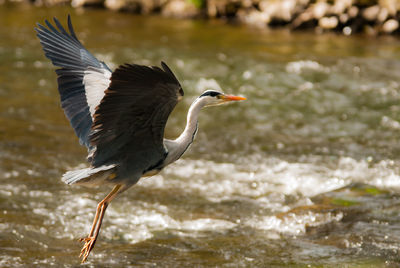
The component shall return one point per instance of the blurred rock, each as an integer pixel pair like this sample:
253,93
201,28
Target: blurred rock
343,18
328,22
81,3
392,6
124,5
212,9
319,9
135,6
247,3
47,2
340,6
279,10
223,8
347,30
383,15
371,13
313,12
254,17
390,26
180,9
353,11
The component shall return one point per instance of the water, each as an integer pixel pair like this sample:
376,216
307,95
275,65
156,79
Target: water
305,172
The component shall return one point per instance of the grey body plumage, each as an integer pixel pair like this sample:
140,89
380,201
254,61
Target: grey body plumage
119,116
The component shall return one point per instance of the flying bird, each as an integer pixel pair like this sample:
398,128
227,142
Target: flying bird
118,115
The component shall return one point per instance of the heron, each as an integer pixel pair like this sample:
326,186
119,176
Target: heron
119,115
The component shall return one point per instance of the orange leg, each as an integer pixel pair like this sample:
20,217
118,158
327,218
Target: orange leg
90,240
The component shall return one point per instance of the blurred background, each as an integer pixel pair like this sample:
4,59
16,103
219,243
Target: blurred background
304,172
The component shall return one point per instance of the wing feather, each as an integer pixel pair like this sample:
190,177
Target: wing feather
82,79
130,120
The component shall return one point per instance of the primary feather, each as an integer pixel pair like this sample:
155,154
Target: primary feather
82,79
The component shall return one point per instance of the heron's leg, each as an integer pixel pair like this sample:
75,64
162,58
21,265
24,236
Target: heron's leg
96,217
90,240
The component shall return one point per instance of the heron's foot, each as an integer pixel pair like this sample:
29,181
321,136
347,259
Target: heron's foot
87,247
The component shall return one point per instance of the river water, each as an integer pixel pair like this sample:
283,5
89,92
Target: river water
305,172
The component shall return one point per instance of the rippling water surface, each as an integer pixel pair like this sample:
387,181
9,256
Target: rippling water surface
305,172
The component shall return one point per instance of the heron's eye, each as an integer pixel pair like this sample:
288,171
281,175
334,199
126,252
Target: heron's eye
210,93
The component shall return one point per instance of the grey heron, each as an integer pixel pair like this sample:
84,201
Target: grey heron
118,115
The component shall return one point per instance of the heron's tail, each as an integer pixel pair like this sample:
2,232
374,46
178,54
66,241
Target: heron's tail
89,176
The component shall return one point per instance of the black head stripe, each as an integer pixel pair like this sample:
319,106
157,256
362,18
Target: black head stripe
210,93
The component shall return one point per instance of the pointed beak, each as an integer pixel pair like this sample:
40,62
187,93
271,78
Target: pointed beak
232,98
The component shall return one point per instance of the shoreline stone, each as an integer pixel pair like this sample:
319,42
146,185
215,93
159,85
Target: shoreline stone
180,9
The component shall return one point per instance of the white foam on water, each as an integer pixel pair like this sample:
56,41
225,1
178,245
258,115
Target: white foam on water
206,224
139,222
270,180
219,181
292,223
267,181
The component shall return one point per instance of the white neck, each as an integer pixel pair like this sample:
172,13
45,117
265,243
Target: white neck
178,146
191,124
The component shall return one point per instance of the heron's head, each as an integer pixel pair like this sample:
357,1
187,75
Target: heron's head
212,98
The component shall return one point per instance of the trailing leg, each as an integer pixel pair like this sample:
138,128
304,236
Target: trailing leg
90,240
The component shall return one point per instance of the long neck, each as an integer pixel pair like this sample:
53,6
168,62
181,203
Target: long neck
178,146
187,136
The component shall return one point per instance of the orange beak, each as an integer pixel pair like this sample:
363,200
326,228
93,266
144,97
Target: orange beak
232,98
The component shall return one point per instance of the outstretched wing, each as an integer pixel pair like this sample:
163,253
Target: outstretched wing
82,79
130,120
